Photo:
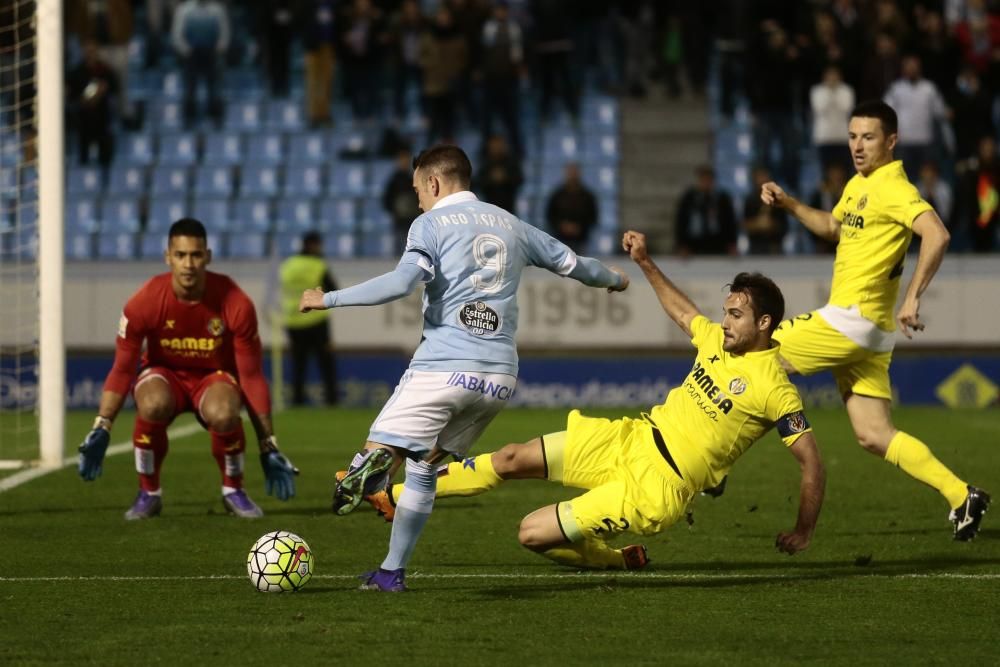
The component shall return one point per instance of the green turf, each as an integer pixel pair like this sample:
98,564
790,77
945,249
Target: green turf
883,582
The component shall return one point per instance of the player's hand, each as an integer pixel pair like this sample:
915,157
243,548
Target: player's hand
624,277
312,299
634,243
279,472
908,317
792,543
772,195
93,448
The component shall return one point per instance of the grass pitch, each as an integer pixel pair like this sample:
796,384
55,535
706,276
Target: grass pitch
882,583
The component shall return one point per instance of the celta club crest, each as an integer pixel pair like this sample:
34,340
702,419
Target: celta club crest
737,386
862,203
215,326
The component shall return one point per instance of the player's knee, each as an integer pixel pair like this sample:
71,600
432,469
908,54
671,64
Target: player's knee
529,536
873,440
220,419
155,406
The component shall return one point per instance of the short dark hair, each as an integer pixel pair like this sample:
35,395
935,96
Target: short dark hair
878,109
448,161
765,296
187,227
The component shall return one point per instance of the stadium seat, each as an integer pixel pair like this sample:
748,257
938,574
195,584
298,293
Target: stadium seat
152,245
20,244
601,148
340,245
285,115
377,244
172,87
252,215
119,246
213,182
165,212
259,181
168,116
138,149
295,215
223,149
374,217
602,243
600,112
120,214
602,179
243,116
560,146
178,150
308,148
82,215
349,141
127,180
79,245
286,244
215,214
246,245
338,214
266,149
170,181
346,179
303,181
83,181
381,171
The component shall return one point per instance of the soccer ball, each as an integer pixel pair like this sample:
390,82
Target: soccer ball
279,562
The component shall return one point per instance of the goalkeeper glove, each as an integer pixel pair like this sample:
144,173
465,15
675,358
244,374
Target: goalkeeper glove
93,448
279,473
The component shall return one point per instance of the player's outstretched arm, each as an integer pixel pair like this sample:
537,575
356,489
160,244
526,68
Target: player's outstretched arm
934,239
811,492
91,461
820,223
675,302
396,284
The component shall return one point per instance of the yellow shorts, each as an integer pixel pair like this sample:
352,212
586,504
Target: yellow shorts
631,487
811,345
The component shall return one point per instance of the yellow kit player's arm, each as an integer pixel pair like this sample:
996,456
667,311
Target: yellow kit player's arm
811,491
934,238
820,223
675,302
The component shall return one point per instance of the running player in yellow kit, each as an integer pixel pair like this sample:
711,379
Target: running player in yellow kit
641,474
853,335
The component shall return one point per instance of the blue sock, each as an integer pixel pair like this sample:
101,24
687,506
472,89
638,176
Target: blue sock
412,511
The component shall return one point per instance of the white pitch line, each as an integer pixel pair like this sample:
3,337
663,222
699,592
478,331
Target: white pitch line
678,576
25,476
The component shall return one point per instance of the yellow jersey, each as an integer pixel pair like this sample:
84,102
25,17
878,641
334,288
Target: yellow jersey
876,214
725,404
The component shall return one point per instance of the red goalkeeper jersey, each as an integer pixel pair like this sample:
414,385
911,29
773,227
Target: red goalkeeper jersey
217,333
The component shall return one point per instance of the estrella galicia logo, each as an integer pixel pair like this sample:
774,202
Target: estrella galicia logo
737,386
479,319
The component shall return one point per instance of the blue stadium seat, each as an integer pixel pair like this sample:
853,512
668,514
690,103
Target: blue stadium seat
341,245
295,215
116,246
260,181
252,215
378,244
602,243
152,245
138,149
223,148
21,244
82,215
600,112
10,147
346,179
246,245
244,116
265,149
381,170
213,182
120,214
170,181
8,183
560,146
83,181
527,209
374,217
308,148
286,244
601,178
285,115
165,212
601,147
353,141
172,87
339,214
168,116
178,150
215,214
304,181
79,245
607,214
127,180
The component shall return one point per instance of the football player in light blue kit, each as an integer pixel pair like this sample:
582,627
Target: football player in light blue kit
469,254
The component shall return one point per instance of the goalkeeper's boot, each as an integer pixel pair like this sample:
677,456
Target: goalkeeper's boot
146,505
717,490
239,503
635,556
381,500
366,475
967,516
387,581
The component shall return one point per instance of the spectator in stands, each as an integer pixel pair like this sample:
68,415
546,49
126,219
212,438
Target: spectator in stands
881,70
363,39
972,113
831,101
469,17
92,85
979,40
706,222
938,51
159,15
308,333
553,48
572,210
636,20
500,176
405,33
276,23
399,198
920,107
891,21
978,205
443,58
936,191
825,198
828,48
502,67
201,36
319,40
764,226
108,24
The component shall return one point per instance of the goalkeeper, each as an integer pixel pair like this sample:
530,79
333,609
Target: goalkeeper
203,354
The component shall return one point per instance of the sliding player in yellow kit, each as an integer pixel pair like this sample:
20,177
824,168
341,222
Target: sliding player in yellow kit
641,474
853,335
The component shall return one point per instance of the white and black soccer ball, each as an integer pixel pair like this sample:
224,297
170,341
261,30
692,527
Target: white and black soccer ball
280,562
